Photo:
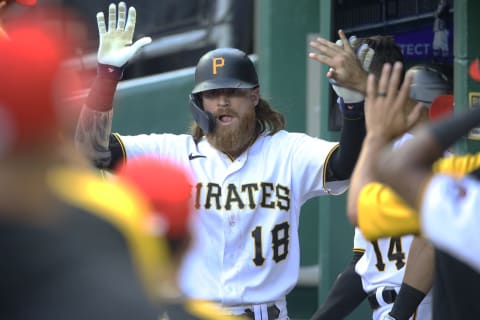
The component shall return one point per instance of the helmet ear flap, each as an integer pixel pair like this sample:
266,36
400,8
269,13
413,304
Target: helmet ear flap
204,119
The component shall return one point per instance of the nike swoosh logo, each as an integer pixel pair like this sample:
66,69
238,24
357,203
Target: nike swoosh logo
191,156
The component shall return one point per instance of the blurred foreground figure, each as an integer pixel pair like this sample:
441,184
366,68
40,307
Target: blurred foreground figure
72,246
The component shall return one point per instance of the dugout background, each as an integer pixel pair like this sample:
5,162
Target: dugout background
159,103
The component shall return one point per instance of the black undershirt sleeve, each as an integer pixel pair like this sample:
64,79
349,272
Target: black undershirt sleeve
117,151
345,295
341,163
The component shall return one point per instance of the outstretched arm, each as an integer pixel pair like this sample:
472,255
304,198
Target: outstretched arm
408,168
114,51
387,117
417,281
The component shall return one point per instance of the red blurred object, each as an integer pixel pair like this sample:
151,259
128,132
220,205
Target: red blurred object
25,2
34,85
441,107
474,70
167,186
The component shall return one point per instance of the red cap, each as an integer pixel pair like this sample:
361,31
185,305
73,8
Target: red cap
442,106
167,186
31,88
474,70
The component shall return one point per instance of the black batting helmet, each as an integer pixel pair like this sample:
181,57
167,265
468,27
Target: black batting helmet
220,69
224,68
429,82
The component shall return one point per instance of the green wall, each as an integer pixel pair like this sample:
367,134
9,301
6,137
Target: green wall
466,48
154,104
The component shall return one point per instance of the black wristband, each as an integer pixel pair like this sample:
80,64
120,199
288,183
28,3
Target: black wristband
406,302
448,131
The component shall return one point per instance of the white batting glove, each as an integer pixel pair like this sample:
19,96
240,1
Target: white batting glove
116,48
365,56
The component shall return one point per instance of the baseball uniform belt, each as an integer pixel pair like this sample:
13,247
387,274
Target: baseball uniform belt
388,295
272,311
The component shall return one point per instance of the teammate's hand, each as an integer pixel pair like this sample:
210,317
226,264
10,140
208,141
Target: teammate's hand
345,67
116,48
387,111
364,55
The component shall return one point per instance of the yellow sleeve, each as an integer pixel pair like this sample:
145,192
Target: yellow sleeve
457,165
381,213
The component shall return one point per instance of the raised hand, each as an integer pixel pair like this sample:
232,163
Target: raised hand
116,48
345,66
389,112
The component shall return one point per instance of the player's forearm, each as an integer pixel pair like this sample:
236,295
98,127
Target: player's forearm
92,135
417,281
342,162
413,160
420,265
95,121
413,163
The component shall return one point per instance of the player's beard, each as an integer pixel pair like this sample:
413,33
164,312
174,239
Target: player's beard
231,139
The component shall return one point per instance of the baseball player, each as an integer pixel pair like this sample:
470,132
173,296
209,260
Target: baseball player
251,176
384,268
408,170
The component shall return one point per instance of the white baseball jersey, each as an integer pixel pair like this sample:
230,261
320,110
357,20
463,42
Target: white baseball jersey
383,262
246,248
453,224
383,265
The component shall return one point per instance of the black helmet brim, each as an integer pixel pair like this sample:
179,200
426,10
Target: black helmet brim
222,84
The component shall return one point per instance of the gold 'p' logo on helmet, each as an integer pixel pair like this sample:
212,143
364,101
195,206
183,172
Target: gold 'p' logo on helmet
217,63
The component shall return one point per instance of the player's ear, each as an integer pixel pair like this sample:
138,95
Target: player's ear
255,96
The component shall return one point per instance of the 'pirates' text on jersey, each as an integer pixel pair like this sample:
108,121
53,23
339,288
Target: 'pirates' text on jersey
247,211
